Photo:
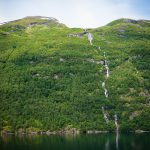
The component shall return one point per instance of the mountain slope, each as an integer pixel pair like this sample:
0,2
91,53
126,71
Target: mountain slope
36,20
52,78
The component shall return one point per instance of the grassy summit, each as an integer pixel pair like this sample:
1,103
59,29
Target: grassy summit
51,77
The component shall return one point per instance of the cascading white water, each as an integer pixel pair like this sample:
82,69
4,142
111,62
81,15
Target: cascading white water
107,70
105,90
106,66
90,38
116,122
106,93
105,115
117,131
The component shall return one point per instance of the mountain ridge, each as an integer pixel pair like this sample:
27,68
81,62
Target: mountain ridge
34,20
121,20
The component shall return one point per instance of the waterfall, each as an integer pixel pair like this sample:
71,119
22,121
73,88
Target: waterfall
117,131
105,90
106,66
105,115
116,122
106,93
90,38
107,70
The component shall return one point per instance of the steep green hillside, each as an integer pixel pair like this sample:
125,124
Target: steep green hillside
53,79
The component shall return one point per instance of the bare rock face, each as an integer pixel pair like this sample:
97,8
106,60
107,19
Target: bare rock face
76,34
134,114
129,20
30,21
121,30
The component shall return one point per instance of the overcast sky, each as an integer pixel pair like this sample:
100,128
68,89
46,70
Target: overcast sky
76,13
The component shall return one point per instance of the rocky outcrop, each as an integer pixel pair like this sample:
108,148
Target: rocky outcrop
76,34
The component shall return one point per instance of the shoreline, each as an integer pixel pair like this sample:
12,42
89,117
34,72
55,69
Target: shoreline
77,132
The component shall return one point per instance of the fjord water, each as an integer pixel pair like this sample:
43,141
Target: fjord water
78,142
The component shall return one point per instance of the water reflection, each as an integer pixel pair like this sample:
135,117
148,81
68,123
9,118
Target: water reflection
117,140
113,142
107,144
80,142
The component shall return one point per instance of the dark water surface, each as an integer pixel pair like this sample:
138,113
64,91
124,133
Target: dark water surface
78,142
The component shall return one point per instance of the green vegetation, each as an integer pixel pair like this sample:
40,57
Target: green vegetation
48,81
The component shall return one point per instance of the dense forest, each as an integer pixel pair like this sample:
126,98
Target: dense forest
51,77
